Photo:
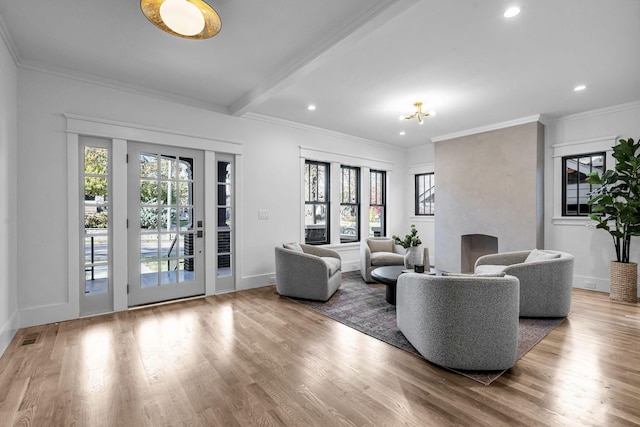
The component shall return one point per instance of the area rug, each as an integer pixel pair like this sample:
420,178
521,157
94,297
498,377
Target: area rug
363,307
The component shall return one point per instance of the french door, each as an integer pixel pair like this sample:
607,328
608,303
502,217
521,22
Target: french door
165,223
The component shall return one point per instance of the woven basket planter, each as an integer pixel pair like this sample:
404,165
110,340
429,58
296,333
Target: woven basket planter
624,282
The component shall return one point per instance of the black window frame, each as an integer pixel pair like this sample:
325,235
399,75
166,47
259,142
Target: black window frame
380,181
418,202
310,237
352,171
576,157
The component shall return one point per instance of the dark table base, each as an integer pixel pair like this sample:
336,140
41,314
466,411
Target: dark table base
390,295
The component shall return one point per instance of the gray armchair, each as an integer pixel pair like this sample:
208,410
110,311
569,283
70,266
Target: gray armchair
460,322
546,279
377,252
306,271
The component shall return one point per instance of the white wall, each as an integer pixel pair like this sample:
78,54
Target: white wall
421,159
270,179
9,319
592,248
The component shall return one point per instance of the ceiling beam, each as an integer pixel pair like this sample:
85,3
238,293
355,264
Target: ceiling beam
366,23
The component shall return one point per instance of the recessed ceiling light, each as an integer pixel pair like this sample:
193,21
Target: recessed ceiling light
579,88
511,12
402,133
311,107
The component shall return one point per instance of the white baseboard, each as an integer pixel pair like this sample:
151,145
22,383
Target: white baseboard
8,331
591,283
350,266
257,281
42,315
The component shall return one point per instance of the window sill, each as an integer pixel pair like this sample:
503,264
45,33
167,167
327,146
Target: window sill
573,221
422,218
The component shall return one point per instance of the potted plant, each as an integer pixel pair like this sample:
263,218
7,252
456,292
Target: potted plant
616,209
410,242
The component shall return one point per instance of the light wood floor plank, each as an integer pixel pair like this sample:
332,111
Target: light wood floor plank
255,358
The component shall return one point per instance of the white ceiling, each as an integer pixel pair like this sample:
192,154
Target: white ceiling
363,63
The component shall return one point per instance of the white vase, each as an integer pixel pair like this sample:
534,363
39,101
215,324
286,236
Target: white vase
412,257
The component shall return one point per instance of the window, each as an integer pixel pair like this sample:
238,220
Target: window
350,204
316,202
575,185
96,218
425,194
377,202
225,215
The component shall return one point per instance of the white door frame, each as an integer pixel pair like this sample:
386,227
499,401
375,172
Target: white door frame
120,133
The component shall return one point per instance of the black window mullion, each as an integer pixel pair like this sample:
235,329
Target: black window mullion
567,181
424,184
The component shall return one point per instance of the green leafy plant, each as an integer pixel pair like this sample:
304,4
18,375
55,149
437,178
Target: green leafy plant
96,220
616,201
409,240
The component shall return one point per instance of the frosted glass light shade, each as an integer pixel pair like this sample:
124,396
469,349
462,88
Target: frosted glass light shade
182,17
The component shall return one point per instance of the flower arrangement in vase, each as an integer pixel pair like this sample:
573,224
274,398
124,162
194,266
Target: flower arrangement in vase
410,242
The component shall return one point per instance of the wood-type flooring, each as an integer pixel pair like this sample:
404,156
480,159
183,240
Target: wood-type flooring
253,358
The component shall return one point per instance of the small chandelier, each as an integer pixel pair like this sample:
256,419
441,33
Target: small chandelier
419,114
189,19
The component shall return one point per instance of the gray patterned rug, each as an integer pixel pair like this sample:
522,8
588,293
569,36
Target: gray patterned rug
362,306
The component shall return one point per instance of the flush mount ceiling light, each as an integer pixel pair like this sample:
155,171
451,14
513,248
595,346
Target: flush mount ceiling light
189,19
511,12
419,114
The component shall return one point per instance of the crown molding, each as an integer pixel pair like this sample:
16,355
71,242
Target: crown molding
488,128
8,41
123,87
318,130
598,112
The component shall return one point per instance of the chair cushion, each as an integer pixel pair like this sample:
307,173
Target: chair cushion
333,264
380,245
386,258
293,246
537,255
490,269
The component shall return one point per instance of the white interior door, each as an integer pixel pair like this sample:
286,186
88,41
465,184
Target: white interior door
165,223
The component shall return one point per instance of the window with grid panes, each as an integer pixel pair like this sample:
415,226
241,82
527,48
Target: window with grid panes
575,186
377,203
349,204
316,202
425,194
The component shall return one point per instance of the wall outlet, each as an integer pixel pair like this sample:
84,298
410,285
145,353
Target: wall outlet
262,214
589,285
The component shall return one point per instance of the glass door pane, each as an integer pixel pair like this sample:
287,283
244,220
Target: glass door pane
225,215
96,220
96,280
168,203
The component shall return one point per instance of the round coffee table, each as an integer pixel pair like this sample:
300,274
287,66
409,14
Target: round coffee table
388,276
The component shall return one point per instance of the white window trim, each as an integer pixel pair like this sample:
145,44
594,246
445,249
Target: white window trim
411,186
576,148
336,161
120,133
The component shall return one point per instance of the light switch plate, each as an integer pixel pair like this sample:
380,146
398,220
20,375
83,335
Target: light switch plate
262,214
